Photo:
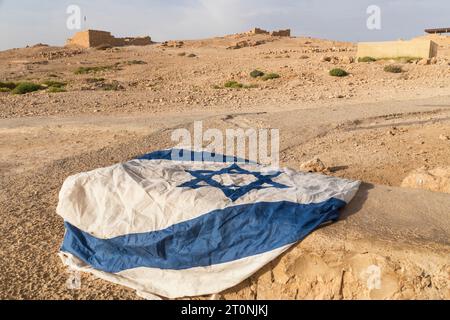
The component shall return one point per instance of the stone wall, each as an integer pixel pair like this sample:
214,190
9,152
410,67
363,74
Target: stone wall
393,49
281,33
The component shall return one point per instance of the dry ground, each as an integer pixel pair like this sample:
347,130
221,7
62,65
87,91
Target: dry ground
372,126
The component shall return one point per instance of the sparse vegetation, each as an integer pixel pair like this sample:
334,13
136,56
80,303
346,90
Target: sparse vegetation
367,59
7,85
270,76
236,85
56,89
26,87
87,70
134,62
113,86
256,74
56,84
337,72
95,80
233,84
393,69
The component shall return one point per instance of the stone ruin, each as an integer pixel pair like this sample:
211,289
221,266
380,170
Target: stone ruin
277,33
96,38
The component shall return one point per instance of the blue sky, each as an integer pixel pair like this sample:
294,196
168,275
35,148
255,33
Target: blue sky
26,22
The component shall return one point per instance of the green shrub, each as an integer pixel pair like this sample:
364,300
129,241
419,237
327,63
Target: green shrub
7,85
5,89
26,87
256,74
270,76
133,62
338,72
95,80
393,69
56,84
56,89
87,70
366,59
113,86
233,84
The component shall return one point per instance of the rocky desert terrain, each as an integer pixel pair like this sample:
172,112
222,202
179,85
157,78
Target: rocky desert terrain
390,130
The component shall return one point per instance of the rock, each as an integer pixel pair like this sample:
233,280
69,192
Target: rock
325,59
444,137
437,180
314,165
347,60
434,60
423,62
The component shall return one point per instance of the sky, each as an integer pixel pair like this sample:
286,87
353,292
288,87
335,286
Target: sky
27,22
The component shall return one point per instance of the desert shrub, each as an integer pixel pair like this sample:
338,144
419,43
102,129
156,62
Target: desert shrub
337,72
182,54
7,85
233,84
303,57
94,80
26,87
393,69
56,84
270,76
366,59
133,62
87,70
256,74
56,89
250,86
113,86
192,55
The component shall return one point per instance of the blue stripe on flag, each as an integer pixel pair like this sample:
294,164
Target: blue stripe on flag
216,237
191,156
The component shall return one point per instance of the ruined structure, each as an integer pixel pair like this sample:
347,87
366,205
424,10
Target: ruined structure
281,33
277,33
96,38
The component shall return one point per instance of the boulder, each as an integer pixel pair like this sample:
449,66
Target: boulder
437,179
314,165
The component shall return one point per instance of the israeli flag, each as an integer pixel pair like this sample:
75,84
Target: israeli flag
176,227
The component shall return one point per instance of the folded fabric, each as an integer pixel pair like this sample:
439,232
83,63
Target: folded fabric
186,227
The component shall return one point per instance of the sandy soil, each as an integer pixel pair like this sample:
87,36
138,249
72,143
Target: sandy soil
372,126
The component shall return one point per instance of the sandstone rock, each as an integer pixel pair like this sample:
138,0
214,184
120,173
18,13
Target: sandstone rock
434,60
314,165
437,180
347,60
423,62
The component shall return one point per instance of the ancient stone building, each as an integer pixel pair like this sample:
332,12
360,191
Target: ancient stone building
95,38
281,33
277,33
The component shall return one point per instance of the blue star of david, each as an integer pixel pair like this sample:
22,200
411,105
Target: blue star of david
233,192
